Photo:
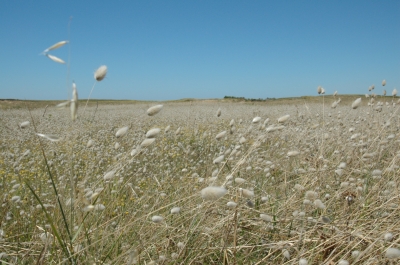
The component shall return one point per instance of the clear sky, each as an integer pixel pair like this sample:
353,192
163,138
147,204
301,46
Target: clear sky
162,50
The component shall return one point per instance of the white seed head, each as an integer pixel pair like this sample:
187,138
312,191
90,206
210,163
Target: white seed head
319,204
266,217
154,110
219,112
293,153
100,73
394,92
74,102
24,124
311,195
55,59
220,135
63,104
213,193
239,180
157,219
388,236
392,253
286,253
50,137
303,262
153,133
231,204
218,159
175,210
122,131
247,193
147,142
88,208
16,199
319,89
109,175
46,237
383,82
283,118
356,103
56,46
90,143
355,254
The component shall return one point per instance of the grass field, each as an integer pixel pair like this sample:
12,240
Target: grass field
319,187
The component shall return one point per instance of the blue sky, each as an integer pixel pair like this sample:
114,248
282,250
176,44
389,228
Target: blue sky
163,50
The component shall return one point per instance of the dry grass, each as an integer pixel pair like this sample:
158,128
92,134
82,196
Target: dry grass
360,206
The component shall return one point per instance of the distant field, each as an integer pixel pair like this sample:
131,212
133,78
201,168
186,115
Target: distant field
217,181
18,104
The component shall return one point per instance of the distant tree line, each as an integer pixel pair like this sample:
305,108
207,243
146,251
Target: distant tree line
248,99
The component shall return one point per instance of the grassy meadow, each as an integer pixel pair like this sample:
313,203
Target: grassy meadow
201,182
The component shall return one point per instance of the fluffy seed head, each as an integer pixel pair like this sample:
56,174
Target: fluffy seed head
50,137
266,217
89,143
392,253
231,204
388,237
303,262
218,159
213,193
100,73
157,219
247,193
220,135
55,59
293,153
154,110
56,46
319,204
175,210
63,104
394,92
74,102
122,131
147,142
88,208
219,112
283,119
383,82
109,175
240,180
24,124
153,133
356,103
